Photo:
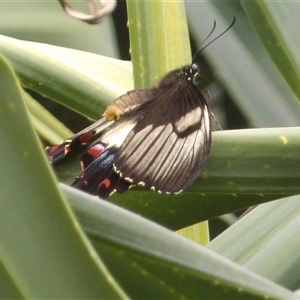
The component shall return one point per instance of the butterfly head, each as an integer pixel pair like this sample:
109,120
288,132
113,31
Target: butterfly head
192,73
195,74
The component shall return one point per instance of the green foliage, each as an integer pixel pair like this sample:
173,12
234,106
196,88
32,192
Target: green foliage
57,242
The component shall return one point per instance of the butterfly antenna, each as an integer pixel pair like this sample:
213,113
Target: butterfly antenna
213,29
201,49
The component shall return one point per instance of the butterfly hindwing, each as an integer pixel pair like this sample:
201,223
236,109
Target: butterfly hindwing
98,176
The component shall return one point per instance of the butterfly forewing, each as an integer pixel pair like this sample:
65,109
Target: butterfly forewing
122,105
169,144
128,102
57,152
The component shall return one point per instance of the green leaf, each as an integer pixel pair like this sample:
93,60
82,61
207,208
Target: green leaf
244,67
172,266
245,168
46,22
42,248
83,81
266,241
266,20
46,125
155,52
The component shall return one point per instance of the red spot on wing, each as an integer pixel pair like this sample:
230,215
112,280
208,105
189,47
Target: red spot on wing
52,148
105,182
96,150
91,154
85,137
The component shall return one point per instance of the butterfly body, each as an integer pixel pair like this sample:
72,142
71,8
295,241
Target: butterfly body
159,138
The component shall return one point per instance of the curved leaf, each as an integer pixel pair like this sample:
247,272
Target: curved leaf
159,39
42,248
266,241
172,266
265,21
241,63
83,81
245,168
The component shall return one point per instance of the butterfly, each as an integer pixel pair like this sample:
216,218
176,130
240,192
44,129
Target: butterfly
159,138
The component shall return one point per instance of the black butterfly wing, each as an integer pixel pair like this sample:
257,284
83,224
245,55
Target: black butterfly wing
99,177
57,152
128,102
121,106
167,148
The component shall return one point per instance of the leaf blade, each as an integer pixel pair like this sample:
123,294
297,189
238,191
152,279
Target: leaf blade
35,219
